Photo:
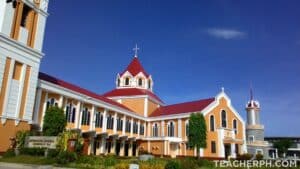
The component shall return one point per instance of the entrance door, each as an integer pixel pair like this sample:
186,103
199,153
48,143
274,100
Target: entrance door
134,149
126,149
173,150
227,150
118,148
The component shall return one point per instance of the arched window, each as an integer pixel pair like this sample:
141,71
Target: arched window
127,81
135,127
212,123
119,124
110,122
51,102
98,120
224,118
171,129
128,126
70,113
85,119
140,82
155,130
187,128
234,125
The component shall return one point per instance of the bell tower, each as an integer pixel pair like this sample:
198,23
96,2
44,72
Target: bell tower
134,76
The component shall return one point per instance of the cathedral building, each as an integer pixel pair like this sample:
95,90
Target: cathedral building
124,121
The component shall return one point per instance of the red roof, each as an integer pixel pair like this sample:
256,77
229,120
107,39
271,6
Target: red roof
135,67
131,92
75,88
186,107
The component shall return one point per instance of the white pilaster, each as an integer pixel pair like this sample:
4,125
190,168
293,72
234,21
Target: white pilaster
103,145
104,127
77,115
60,101
162,128
22,79
115,123
37,105
146,107
92,121
124,125
232,154
130,148
179,128
122,148
139,124
44,110
131,127
10,74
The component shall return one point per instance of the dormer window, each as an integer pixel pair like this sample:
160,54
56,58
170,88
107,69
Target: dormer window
149,84
127,81
140,82
119,82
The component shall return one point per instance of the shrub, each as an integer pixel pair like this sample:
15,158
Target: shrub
172,164
54,121
122,166
92,160
204,163
259,156
189,163
21,138
65,157
52,153
145,166
110,160
9,153
245,156
32,151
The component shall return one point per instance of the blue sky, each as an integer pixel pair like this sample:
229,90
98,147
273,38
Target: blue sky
191,48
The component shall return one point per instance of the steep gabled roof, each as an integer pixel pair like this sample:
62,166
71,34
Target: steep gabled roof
131,92
187,107
135,67
59,82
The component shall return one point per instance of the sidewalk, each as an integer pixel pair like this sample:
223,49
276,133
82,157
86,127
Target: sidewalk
4,165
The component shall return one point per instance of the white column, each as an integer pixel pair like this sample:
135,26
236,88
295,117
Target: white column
113,145
44,110
131,127
98,150
145,129
104,127
124,125
146,107
139,123
103,145
60,101
77,115
179,128
130,148
92,121
232,154
122,148
163,128
91,146
115,123
37,105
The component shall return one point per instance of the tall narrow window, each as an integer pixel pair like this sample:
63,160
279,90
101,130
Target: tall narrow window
171,129
187,128
51,102
212,123
85,117
149,84
224,118
119,124
98,120
142,129
70,113
234,125
213,147
128,126
135,127
119,82
127,81
140,82
110,122
155,130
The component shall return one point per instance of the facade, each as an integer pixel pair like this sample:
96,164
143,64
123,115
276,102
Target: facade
124,121
293,150
131,118
22,25
255,130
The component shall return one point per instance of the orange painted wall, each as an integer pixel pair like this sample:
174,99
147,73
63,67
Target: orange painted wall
8,130
136,105
151,106
157,147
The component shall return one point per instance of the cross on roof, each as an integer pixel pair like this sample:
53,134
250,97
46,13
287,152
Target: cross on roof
135,50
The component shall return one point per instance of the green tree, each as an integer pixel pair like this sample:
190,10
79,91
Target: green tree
54,121
282,146
197,131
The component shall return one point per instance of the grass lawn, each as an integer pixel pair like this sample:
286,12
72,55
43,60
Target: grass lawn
26,159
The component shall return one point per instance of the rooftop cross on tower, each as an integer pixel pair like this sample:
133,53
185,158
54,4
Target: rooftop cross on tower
135,50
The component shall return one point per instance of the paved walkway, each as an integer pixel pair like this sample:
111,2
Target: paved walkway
26,166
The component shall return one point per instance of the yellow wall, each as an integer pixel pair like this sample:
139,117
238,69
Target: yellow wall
137,105
8,130
151,106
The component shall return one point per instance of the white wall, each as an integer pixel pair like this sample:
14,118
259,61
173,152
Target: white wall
6,17
2,66
39,37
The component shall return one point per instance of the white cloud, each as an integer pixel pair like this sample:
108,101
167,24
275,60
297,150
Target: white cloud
226,33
